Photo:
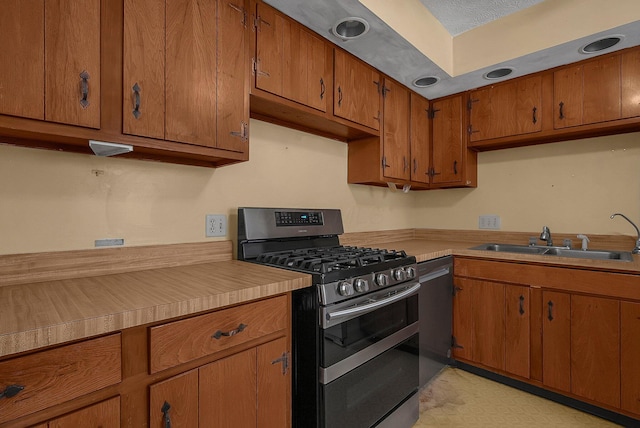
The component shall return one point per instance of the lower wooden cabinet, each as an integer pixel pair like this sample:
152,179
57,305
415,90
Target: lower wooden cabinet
247,389
583,335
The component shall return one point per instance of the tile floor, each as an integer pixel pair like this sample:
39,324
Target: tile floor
456,398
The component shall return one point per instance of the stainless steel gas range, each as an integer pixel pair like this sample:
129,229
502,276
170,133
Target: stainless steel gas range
355,331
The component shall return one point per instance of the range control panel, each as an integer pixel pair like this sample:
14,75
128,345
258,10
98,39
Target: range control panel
297,218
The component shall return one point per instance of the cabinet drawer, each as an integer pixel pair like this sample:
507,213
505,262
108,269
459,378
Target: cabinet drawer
186,340
57,375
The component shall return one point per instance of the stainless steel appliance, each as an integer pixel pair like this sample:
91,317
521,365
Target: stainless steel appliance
355,331
436,299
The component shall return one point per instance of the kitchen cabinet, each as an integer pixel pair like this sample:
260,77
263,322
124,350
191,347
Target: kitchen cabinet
104,415
630,83
291,61
453,164
51,61
357,87
185,67
505,109
247,388
491,324
629,355
420,139
556,340
396,156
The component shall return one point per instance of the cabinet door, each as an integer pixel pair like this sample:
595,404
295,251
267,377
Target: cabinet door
175,400
463,319
190,72
595,349
318,72
630,91
232,103
143,68
488,323
22,59
72,58
274,384
420,136
517,330
395,129
601,90
447,141
629,356
567,97
104,415
356,91
228,392
269,49
556,340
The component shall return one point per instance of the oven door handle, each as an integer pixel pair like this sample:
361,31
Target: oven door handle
373,305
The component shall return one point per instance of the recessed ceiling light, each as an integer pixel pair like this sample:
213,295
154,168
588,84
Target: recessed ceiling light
498,73
423,82
601,44
350,28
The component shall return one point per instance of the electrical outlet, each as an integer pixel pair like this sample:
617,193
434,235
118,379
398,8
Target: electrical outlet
216,225
489,222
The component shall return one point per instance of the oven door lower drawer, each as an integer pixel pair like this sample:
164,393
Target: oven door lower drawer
365,395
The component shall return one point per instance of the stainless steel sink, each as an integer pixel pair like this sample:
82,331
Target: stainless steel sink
557,251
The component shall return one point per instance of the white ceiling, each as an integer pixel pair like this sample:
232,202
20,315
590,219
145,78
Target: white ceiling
389,52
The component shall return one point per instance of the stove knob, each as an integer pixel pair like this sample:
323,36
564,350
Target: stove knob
399,274
361,285
382,279
345,288
411,272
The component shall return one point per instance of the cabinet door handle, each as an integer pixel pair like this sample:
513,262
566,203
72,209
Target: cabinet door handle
322,88
550,308
521,305
165,414
136,101
561,110
535,115
339,96
84,89
455,167
218,334
11,391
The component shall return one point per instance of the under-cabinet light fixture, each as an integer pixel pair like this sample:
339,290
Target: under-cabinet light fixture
102,148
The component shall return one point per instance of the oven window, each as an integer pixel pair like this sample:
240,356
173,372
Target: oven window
349,337
366,394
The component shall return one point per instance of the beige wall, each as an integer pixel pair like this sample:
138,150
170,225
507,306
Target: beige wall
55,201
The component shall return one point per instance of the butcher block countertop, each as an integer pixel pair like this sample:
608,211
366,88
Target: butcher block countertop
65,308
51,298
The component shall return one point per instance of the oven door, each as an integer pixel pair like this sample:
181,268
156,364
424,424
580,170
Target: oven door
369,357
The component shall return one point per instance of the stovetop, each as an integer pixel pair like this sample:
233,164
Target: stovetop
333,259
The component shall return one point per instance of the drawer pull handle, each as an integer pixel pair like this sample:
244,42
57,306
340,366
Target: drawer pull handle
165,414
218,334
11,391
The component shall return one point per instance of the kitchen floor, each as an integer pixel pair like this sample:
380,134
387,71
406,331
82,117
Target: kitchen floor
456,398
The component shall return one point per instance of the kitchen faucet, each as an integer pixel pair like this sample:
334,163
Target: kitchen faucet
636,250
546,236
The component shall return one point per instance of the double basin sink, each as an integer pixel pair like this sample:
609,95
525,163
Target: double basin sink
557,251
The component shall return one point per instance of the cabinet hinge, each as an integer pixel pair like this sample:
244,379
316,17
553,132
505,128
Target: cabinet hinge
284,360
454,343
454,290
470,103
242,11
431,114
384,91
470,130
384,163
258,21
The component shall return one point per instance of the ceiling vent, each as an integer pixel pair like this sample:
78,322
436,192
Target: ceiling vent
426,81
498,73
601,44
350,28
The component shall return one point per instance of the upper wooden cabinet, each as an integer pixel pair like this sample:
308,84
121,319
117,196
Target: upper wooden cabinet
600,90
50,62
356,93
184,72
507,109
291,61
420,139
453,165
396,156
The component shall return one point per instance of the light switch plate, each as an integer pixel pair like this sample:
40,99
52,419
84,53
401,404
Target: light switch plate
489,222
